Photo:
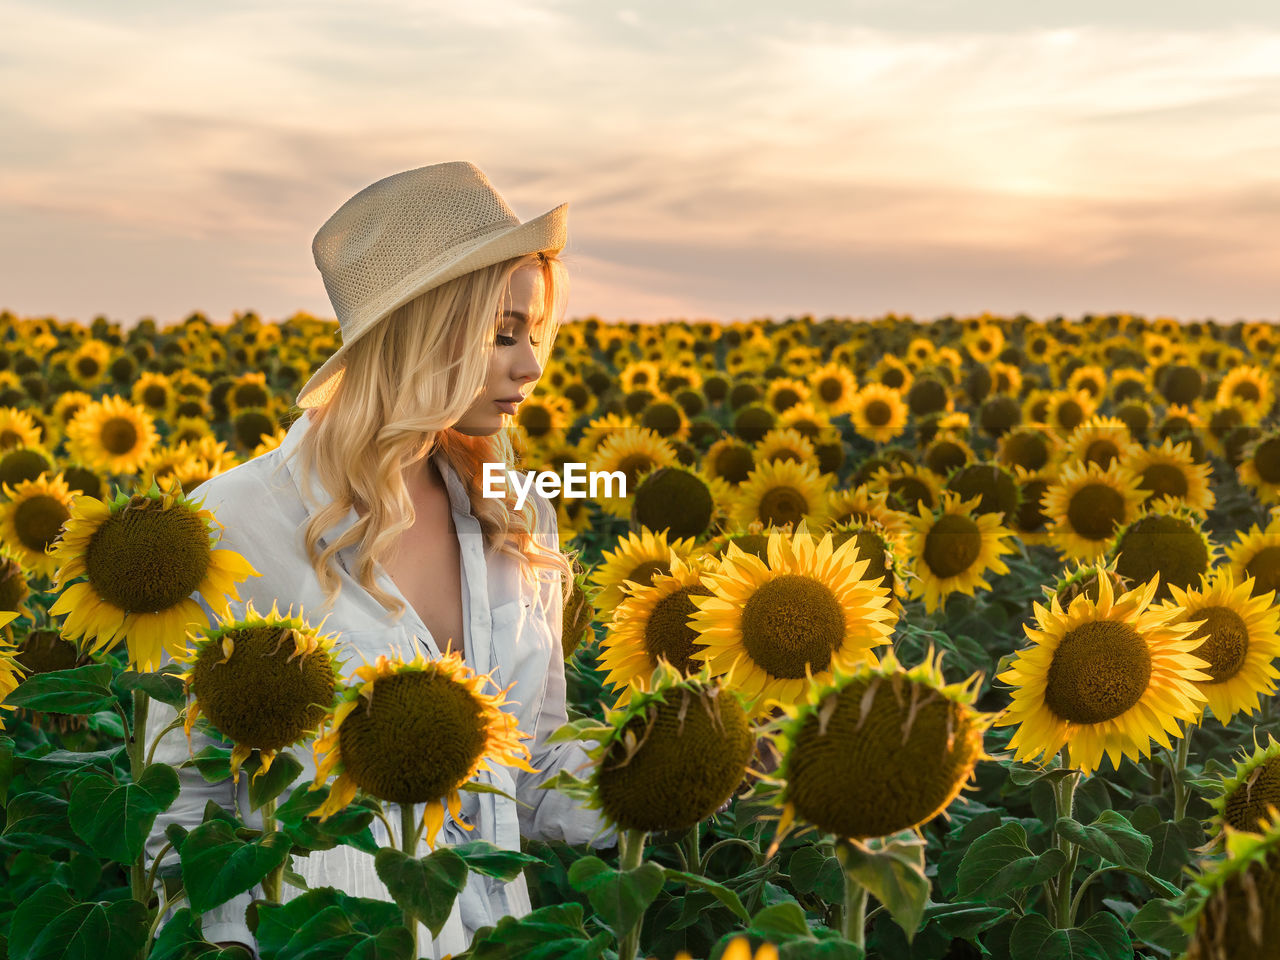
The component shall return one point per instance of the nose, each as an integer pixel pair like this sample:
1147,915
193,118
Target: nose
526,367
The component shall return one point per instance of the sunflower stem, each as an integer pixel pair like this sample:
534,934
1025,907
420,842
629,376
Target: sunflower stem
273,882
409,846
630,856
1180,792
137,733
1064,797
692,851
855,911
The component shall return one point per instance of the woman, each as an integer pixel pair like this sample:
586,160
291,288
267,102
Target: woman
370,511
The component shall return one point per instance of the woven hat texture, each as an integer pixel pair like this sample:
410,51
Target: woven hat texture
408,233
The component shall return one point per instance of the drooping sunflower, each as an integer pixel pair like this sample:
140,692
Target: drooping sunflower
1239,639
652,624
730,459
415,732
953,549
781,492
636,559
1032,446
685,503
1170,471
1256,555
878,413
1167,539
264,681
112,434
779,624
1086,505
633,452
32,516
141,558
907,739
1103,677
1233,903
995,486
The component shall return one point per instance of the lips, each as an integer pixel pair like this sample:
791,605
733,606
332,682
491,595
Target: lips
507,406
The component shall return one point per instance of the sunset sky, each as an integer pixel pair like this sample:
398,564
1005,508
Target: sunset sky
720,160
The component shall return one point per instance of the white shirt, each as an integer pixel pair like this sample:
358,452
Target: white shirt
510,627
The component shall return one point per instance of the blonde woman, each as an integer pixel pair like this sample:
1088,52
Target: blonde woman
371,509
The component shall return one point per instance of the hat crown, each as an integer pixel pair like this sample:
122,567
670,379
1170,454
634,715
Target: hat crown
403,225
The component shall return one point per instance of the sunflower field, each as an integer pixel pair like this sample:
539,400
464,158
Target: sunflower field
908,641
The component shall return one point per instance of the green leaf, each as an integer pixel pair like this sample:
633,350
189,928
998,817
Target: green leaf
483,857
115,818
1157,924
217,865
425,888
213,762
1111,837
895,877
278,923
781,920
963,920
1023,775
38,821
554,932
584,729
7,748
999,862
81,690
821,950
267,786
330,935
349,825
620,897
1171,843
51,926
1101,937
58,765
814,871
164,685
718,890
566,783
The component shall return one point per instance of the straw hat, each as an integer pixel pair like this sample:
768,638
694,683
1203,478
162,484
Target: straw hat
408,233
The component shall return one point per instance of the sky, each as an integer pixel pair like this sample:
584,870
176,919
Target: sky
720,160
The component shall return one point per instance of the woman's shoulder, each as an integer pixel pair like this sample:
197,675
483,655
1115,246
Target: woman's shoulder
253,495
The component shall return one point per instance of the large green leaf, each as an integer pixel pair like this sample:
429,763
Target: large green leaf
181,939
349,825
895,877
278,923
814,871
164,685
717,890
1111,837
80,690
425,888
619,896
217,865
59,765
999,862
1101,937
38,821
1157,924
50,925
330,935
549,933
115,818
267,786
492,861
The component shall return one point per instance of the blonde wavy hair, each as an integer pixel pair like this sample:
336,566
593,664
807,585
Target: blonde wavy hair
405,383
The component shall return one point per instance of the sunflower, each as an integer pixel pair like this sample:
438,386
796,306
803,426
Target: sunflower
1239,639
1032,446
664,416
154,393
142,557
947,453
784,393
907,486
1256,555
875,544
31,518
88,364
639,556
633,452
1086,505
878,413
730,459
783,444
18,429
1249,798
909,741
685,503
112,435
1099,440
953,549
780,624
808,421
416,732
1233,904
1103,677
1067,409
1168,471
264,681
995,487
781,492
1249,386
1260,469
10,670
920,351
861,505
640,375
1166,539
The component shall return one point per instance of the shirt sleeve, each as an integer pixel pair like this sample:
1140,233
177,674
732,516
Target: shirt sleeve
555,816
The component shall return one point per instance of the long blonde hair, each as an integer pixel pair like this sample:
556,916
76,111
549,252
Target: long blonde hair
405,383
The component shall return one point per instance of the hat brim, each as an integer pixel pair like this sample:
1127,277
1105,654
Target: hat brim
547,233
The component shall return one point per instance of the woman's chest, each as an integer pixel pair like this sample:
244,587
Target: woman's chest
426,568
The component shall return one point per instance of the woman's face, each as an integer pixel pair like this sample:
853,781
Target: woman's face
513,367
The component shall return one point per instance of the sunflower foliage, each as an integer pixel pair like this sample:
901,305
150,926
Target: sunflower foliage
1079,513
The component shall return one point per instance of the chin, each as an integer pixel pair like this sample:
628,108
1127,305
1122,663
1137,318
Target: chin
478,430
